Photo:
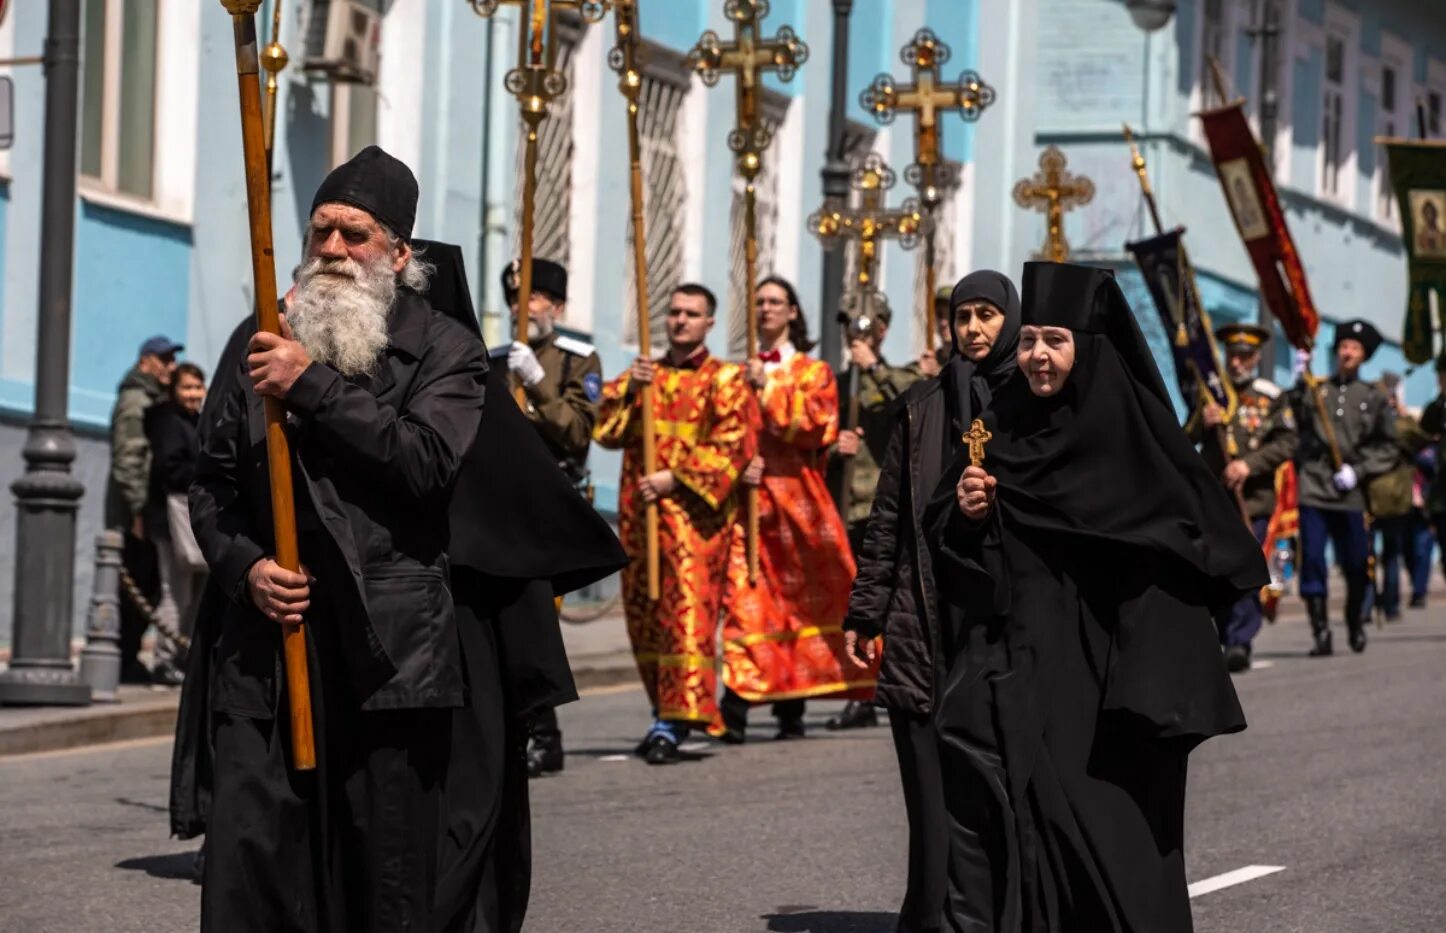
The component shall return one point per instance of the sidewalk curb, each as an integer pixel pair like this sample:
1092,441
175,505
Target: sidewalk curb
94,725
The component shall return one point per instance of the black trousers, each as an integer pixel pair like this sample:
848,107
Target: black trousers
140,560
735,710
917,744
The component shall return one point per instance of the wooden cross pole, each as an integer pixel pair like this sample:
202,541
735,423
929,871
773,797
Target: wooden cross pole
928,98
268,319
625,59
749,57
1052,191
536,83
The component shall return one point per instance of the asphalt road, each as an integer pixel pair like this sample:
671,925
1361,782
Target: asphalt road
1340,781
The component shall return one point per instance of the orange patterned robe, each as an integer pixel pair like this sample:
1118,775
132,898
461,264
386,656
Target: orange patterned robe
707,430
782,638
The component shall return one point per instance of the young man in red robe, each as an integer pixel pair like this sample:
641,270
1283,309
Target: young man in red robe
782,634
705,418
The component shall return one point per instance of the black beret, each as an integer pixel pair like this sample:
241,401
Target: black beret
1363,332
548,277
378,184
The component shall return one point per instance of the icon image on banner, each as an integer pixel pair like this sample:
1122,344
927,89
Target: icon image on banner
1428,216
1244,199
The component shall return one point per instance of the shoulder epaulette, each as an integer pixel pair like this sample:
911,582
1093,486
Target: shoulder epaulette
574,346
1266,388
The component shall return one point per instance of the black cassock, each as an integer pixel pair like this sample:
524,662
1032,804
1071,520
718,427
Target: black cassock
520,533
1084,661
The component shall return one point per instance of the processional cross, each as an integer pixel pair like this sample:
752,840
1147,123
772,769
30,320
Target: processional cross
928,98
536,83
1052,191
976,437
749,57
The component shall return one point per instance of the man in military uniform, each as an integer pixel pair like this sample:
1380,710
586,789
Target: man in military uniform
561,378
931,362
1333,491
880,384
1246,450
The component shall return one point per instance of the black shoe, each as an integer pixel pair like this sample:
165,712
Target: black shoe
662,751
1393,617
1418,602
1237,659
1357,632
1319,626
167,674
545,755
790,728
854,715
134,672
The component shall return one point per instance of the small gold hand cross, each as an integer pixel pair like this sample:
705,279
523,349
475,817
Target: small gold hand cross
977,437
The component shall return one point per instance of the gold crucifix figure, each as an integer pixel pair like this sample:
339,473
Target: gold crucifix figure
976,437
1052,191
928,98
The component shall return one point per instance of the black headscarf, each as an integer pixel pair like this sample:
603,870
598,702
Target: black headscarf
1106,457
969,386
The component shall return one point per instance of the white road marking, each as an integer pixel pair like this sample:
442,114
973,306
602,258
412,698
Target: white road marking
616,758
1238,876
692,747
1261,665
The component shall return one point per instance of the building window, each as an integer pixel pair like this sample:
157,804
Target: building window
552,209
1214,44
1385,197
1333,112
118,108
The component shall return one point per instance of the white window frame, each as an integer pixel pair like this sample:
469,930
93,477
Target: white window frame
7,50
1435,84
176,118
1235,17
1345,27
1396,54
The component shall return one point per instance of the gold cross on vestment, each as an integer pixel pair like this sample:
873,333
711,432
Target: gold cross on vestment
748,57
976,438
1052,191
871,222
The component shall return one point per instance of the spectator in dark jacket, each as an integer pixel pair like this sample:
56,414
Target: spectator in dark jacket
170,428
895,572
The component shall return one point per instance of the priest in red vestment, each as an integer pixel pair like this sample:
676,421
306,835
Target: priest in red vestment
706,423
782,636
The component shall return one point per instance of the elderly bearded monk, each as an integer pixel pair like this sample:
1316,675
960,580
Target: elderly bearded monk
383,397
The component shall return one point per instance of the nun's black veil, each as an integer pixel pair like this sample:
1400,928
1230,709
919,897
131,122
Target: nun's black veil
969,386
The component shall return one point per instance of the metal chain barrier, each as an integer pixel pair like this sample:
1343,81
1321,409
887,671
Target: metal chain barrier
138,599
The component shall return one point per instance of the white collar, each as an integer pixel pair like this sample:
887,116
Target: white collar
786,352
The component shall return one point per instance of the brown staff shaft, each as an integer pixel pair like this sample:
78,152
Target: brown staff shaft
645,348
524,276
278,453
750,287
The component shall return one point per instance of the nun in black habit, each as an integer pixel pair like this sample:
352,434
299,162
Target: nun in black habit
520,533
1078,570
895,571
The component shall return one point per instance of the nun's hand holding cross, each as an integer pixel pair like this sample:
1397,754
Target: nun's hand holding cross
975,493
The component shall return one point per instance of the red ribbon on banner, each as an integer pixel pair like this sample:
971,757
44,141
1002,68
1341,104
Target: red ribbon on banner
1255,205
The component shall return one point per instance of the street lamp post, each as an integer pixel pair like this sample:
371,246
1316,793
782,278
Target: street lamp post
48,496
836,186
1269,34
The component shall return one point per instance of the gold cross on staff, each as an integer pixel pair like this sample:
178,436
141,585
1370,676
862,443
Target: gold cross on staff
749,57
976,438
870,222
1053,191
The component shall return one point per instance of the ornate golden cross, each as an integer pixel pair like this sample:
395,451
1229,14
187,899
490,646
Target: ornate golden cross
928,98
749,57
1052,191
976,438
870,222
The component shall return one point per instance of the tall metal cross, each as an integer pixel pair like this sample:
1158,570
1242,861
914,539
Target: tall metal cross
871,222
928,98
749,57
536,83
1052,191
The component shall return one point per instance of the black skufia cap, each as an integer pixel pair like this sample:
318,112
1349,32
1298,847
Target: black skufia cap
548,277
378,184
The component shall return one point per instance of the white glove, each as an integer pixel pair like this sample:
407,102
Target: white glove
1302,364
1345,478
522,361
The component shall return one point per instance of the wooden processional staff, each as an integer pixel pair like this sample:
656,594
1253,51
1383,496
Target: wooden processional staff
536,83
625,59
927,98
749,57
278,452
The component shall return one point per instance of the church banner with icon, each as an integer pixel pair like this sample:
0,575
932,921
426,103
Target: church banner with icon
1171,280
1418,174
1259,217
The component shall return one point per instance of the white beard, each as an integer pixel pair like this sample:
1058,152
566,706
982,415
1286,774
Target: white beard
340,312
